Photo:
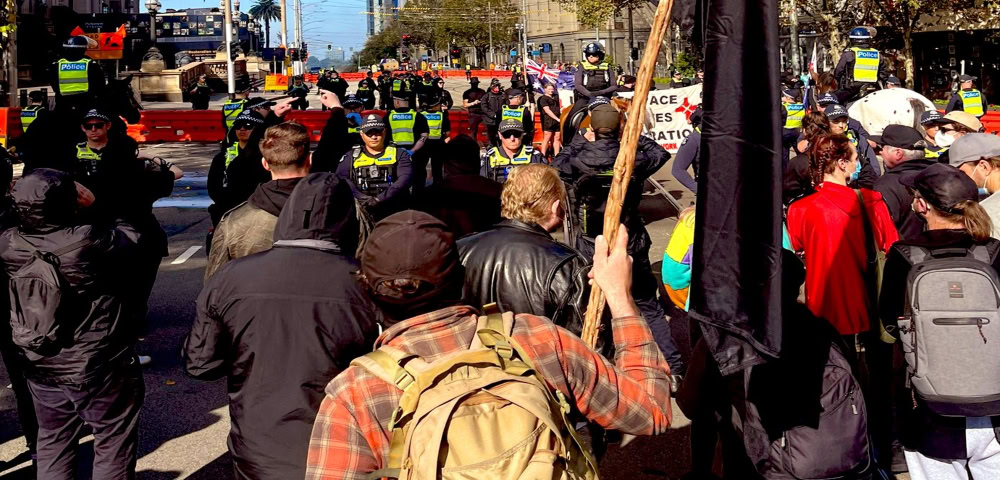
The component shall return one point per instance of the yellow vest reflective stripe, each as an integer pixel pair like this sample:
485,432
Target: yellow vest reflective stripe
28,115
928,153
972,102
387,158
498,160
231,110
850,136
83,152
402,124
397,85
865,64
589,66
352,129
468,67
796,112
512,113
231,153
435,120
73,77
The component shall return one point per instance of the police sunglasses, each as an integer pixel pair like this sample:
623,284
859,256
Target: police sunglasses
511,133
374,132
243,126
94,126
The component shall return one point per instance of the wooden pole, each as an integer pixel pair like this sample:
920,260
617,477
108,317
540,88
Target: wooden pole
626,160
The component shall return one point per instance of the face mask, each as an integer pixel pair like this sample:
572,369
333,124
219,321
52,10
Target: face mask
943,140
982,189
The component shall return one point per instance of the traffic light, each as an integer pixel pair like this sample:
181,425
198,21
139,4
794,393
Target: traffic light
304,54
293,53
329,47
406,40
455,52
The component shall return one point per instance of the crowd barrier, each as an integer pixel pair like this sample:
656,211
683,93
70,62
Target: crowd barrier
10,124
157,126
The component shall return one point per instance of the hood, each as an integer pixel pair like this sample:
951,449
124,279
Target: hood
845,199
272,196
45,200
321,207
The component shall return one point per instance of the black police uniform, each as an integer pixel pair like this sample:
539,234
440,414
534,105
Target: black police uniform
366,92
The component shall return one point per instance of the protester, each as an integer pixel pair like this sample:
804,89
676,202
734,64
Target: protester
688,155
798,181
492,105
943,447
868,167
585,164
411,269
89,374
472,99
249,228
337,139
903,153
517,264
200,94
956,124
978,156
277,334
464,200
549,111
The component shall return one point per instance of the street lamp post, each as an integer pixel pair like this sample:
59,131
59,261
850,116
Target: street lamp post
153,60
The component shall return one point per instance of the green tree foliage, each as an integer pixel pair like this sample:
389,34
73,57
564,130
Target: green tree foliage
596,13
266,11
438,24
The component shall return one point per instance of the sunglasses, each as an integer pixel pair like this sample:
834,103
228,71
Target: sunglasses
375,132
511,133
93,126
243,126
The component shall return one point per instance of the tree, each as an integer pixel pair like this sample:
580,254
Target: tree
440,23
596,13
266,11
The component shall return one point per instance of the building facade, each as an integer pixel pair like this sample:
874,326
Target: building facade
554,28
381,12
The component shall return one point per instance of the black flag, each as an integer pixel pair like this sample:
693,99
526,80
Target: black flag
736,278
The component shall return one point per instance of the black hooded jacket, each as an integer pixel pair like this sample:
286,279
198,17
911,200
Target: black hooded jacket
281,324
102,334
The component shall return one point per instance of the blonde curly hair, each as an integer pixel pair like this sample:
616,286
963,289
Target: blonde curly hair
529,192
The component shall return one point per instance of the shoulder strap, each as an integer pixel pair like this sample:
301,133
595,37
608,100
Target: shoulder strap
916,255
981,253
57,252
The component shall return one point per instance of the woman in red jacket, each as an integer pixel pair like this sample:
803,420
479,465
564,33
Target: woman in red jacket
829,228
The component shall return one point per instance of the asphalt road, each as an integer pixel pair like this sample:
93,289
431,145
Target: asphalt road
185,422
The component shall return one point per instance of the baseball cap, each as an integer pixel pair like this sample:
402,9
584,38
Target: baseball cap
94,114
257,102
967,78
965,119
474,80
515,92
410,245
510,124
827,99
900,136
604,117
943,186
353,101
973,147
931,116
372,122
893,80
790,92
835,111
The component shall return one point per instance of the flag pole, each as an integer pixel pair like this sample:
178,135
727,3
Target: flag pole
626,160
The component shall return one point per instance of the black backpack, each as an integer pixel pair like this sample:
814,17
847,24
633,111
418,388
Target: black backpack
40,296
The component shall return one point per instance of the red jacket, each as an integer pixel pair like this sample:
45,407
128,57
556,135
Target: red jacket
828,227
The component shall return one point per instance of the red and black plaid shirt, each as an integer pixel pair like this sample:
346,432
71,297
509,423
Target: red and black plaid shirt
351,435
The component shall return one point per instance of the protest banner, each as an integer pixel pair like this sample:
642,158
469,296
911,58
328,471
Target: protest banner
669,112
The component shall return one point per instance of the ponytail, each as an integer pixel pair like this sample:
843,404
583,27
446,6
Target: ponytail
977,221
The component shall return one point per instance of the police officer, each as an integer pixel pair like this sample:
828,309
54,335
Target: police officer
893,82
930,122
239,135
689,155
385,83
353,107
36,108
678,80
867,170
232,108
967,99
468,72
516,109
594,78
513,151
407,129
861,67
366,91
379,174
439,127
299,90
794,112
587,164
77,80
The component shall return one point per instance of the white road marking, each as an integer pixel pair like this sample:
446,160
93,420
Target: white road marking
186,255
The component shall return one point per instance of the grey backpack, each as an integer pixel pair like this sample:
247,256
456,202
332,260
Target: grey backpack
950,330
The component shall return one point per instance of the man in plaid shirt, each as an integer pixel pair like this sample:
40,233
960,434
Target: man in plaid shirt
411,268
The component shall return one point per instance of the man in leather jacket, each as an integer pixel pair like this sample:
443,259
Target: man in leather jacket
586,164
517,264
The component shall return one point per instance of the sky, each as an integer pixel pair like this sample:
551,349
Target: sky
340,23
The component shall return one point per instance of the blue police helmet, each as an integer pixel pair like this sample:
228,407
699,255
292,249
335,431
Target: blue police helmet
860,33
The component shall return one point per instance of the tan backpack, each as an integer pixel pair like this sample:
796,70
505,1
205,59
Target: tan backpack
479,414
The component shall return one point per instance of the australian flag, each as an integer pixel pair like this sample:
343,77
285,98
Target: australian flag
541,75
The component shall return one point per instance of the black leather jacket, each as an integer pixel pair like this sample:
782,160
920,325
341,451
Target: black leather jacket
524,270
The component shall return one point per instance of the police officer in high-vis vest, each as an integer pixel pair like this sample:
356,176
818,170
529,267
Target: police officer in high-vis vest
517,110
497,163
861,68
380,174
218,182
594,78
353,106
439,127
794,111
232,108
407,128
967,99
77,80
35,109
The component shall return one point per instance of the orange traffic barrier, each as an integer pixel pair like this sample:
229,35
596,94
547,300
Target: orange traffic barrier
276,83
10,124
991,122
